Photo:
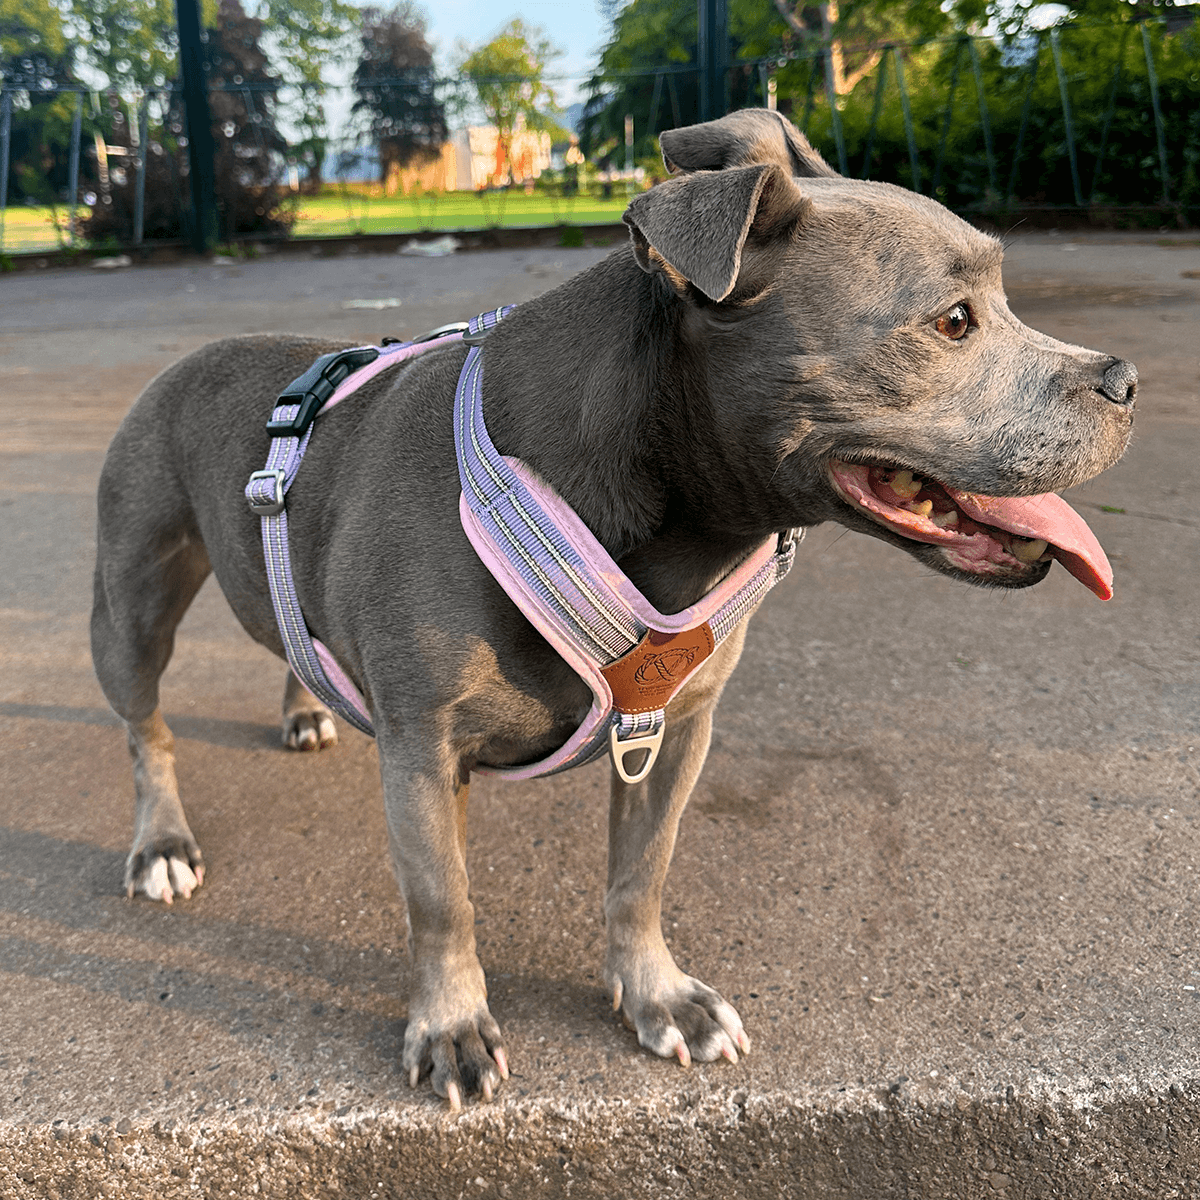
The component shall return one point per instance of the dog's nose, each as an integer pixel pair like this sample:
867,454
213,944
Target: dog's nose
1120,383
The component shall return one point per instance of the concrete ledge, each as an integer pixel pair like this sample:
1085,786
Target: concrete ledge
702,1142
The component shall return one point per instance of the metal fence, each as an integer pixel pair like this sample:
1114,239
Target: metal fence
1099,122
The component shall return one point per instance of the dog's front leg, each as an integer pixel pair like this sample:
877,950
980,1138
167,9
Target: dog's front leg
451,1035
673,1014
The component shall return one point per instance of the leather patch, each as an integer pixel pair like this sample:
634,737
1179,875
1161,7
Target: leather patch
656,668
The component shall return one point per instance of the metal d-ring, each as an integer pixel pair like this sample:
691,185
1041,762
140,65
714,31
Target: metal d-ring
620,747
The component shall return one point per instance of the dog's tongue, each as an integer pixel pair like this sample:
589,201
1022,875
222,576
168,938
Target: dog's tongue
1052,519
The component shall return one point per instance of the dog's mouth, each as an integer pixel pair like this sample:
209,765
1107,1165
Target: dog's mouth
1006,540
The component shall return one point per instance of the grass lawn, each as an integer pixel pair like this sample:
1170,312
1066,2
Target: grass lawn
335,213
28,229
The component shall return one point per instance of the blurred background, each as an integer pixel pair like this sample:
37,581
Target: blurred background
230,124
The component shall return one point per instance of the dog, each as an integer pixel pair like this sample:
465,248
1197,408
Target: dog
776,346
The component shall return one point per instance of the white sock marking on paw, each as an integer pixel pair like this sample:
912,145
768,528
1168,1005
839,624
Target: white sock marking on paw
158,884
182,879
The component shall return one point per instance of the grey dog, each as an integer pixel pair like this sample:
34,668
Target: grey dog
777,346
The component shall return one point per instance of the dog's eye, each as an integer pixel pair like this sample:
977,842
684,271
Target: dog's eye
954,322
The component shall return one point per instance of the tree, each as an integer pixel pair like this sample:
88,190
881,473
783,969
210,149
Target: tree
395,82
242,98
651,34
305,37
248,146
507,76
37,59
133,43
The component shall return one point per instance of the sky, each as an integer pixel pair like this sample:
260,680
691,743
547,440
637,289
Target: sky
574,26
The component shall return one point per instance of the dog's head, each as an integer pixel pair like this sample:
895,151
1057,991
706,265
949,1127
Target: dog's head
861,352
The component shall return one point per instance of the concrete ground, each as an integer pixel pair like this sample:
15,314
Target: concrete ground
943,857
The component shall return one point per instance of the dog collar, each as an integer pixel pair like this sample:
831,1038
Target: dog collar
634,658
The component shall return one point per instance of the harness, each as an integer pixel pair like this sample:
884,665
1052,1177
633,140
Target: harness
634,658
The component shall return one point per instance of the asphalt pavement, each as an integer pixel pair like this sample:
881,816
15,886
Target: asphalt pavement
943,857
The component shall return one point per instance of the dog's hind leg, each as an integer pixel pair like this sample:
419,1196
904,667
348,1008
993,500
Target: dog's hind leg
150,564
307,723
673,1014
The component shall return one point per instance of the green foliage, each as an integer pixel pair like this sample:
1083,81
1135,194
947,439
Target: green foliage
306,36
132,43
242,102
507,75
37,58
1115,142
30,28
649,34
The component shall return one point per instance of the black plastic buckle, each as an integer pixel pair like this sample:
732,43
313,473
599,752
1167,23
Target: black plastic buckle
315,386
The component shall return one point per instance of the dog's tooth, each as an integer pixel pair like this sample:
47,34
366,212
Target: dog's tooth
1028,550
922,508
945,520
903,484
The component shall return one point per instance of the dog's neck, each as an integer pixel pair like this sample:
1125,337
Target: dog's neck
600,389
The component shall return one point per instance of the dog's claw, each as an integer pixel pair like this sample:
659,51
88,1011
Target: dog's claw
501,1060
618,993
414,1077
486,1090
727,1050
454,1096
743,1042
683,1053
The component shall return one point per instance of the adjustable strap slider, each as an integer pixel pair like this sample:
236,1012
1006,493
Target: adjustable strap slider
264,493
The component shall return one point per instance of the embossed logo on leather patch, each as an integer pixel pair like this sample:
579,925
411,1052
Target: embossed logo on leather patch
656,668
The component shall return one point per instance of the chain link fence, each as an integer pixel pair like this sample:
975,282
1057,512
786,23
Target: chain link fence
1082,123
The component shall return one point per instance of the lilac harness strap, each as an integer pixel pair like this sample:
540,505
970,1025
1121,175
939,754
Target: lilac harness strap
312,662
548,562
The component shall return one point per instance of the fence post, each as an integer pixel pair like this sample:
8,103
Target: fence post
913,162
1159,130
674,99
883,62
984,119
654,102
1033,70
139,196
1067,122
834,116
713,52
946,119
199,124
5,141
808,99
73,166
629,155
1108,113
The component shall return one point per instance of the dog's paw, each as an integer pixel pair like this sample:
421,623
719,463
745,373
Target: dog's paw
459,1056
309,729
165,869
676,1016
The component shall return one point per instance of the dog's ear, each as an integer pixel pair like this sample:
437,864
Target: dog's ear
753,135
696,226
